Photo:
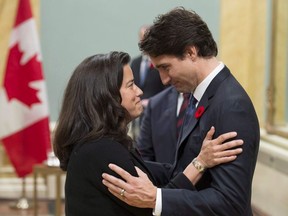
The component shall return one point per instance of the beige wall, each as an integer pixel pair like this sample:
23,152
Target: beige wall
280,58
242,45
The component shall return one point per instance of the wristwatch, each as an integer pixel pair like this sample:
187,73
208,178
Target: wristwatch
198,165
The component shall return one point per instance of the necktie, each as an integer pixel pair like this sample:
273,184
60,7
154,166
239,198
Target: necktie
189,113
180,117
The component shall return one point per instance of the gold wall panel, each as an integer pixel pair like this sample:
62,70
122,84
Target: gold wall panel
242,46
280,61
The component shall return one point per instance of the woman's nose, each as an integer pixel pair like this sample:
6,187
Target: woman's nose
139,91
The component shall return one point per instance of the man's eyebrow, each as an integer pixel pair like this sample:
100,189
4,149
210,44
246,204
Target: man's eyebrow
162,65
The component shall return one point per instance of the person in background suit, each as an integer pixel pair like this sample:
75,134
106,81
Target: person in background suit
100,100
183,50
157,140
146,77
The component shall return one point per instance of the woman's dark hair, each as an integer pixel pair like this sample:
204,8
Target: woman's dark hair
174,31
91,106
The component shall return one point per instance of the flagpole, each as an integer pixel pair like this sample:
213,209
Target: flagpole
22,202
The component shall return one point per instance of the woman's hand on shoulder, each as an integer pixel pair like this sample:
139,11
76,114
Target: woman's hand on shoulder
217,151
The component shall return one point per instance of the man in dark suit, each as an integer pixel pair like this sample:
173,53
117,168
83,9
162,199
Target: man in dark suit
161,125
157,139
146,77
151,83
183,50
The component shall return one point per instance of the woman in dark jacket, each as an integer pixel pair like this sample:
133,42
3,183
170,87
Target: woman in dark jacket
92,131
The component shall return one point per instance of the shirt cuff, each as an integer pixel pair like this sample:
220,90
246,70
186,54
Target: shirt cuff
158,207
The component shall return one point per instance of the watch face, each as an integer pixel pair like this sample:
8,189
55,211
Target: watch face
198,165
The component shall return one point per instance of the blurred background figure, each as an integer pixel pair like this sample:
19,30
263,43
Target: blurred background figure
162,120
147,78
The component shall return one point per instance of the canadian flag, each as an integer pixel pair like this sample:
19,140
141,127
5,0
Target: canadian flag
24,122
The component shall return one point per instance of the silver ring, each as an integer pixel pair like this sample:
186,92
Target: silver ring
122,192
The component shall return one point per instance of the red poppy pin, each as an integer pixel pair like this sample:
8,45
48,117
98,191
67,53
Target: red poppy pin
199,112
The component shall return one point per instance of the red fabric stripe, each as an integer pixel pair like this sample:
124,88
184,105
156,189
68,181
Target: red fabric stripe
24,11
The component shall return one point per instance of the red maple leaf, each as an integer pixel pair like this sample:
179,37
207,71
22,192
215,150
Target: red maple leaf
18,77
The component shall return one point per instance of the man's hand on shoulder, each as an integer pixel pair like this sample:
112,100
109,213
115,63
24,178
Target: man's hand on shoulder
135,191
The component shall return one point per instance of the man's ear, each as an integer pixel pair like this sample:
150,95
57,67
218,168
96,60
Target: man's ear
191,52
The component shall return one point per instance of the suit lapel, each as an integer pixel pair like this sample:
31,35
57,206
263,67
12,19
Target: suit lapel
172,99
205,102
171,111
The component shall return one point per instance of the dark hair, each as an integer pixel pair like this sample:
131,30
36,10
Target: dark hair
174,31
91,106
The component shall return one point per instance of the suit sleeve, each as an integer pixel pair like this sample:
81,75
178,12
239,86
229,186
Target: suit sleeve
229,190
97,163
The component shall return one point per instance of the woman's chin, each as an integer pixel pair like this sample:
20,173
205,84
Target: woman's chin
138,114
